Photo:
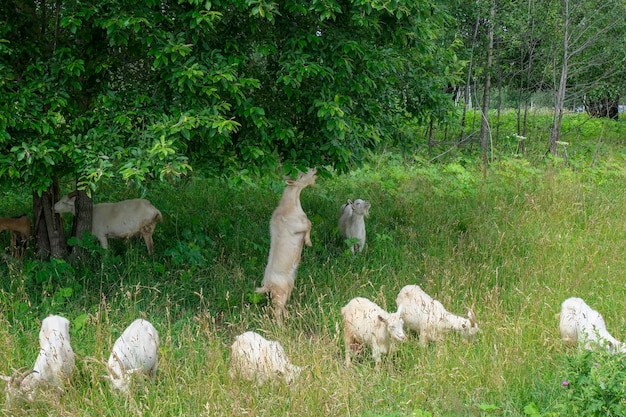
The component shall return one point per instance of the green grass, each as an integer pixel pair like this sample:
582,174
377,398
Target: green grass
512,246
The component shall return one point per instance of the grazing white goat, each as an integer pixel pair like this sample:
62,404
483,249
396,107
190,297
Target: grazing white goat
352,222
20,233
124,219
255,358
54,364
135,351
579,323
430,319
365,323
290,230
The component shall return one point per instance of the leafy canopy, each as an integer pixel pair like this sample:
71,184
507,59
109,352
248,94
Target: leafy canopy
140,90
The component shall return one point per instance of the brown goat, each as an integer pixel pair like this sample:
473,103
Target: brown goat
20,233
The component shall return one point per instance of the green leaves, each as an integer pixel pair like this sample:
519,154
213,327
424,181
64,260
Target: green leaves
234,87
263,9
595,385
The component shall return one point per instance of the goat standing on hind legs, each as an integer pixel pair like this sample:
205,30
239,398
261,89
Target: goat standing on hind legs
352,223
290,230
20,233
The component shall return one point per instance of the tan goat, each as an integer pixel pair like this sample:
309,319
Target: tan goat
290,230
20,233
429,318
581,324
352,222
255,358
365,323
54,364
136,351
124,219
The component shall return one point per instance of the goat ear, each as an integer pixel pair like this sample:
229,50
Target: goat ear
471,316
400,309
381,318
290,182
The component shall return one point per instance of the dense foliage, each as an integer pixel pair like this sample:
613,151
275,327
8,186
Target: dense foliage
235,88
595,385
117,89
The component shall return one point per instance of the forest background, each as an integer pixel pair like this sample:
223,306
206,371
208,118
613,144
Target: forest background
487,134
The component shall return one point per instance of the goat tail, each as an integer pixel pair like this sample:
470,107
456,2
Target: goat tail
262,290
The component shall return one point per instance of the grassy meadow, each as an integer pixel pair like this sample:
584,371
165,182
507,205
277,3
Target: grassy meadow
512,246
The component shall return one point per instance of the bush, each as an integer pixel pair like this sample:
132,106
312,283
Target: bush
595,385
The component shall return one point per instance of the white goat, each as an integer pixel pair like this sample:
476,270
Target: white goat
352,222
54,364
124,219
365,323
579,323
255,358
290,230
135,351
20,233
430,319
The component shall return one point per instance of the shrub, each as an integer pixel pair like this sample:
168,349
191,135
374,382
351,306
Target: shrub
595,385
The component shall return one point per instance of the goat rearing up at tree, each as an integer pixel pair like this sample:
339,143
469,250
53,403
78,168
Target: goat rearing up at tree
290,230
352,222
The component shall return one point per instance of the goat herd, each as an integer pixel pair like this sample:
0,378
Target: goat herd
253,357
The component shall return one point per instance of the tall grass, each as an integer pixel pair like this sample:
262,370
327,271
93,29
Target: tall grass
512,246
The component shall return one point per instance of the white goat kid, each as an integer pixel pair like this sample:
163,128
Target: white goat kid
351,222
124,219
54,364
135,351
430,319
365,323
255,358
581,324
290,230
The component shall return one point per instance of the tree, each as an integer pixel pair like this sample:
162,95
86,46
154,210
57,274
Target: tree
521,29
584,29
134,92
599,79
484,124
530,58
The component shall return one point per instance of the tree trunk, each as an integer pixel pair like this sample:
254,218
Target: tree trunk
467,93
532,43
82,219
484,125
559,99
499,105
48,225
